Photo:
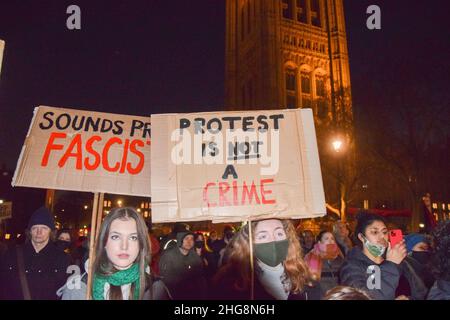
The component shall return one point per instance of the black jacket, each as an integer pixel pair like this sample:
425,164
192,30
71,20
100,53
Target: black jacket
440,291
183,274
410,284
45,272
223,289
354,273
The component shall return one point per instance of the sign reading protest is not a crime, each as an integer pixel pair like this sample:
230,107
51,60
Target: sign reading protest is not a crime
235,166
77,150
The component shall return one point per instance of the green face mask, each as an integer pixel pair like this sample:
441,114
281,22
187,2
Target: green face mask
376,250
272,253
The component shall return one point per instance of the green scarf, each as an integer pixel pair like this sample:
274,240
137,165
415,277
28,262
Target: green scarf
119,278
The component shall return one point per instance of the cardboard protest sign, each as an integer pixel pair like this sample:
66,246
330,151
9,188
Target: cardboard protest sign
77,150
235,166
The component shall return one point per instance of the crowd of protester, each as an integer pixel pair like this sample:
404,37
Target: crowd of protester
269,259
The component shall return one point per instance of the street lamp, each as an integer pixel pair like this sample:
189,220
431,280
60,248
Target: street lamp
85,207
337,145
1,201
119,203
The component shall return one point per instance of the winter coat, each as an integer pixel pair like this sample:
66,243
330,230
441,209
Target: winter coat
76,287
440,291
183,275
45,272
410,284
355,273
330,274
224,290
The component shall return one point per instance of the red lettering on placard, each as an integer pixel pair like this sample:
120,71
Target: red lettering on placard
90,149
264,192
52,146
250,194
76,142
205,194
243,194
89,154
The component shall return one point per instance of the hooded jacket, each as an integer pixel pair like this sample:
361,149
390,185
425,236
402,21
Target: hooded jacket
182,274
355,273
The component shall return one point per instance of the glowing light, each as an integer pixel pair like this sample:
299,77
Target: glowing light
337,145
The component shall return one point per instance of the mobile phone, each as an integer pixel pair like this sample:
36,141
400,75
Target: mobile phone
395,236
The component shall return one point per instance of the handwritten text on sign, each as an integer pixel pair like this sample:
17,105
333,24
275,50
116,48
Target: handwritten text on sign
67,149
233,165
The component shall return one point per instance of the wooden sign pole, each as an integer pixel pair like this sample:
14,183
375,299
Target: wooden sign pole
94,219
252,269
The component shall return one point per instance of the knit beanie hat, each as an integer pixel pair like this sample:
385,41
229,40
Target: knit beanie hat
181,236
42,216
412,239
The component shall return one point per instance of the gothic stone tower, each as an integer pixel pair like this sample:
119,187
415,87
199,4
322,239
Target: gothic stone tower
291,54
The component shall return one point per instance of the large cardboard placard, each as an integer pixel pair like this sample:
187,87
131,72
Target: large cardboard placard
235,166
78,150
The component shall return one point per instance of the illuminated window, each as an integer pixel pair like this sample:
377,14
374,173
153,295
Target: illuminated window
291,88
320,87
301,11
287,9
315,13
306,82
290,80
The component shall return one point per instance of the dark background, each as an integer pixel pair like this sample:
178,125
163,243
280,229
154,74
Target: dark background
143,57
157,56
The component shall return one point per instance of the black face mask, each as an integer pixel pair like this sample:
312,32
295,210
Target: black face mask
228,235
63,245
421,256
199,244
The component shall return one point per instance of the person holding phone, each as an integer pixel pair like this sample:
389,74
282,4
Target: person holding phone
410,284
374,265
325,260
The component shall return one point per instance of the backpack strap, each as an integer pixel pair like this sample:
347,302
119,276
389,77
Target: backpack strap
22,275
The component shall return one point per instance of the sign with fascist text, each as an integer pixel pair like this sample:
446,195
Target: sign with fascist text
67,149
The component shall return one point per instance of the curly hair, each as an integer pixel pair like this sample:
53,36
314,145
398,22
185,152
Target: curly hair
441,257
238,260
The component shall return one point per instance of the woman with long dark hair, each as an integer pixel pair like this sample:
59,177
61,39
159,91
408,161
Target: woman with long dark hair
122,257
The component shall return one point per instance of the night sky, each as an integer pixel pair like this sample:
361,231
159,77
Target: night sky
143,57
